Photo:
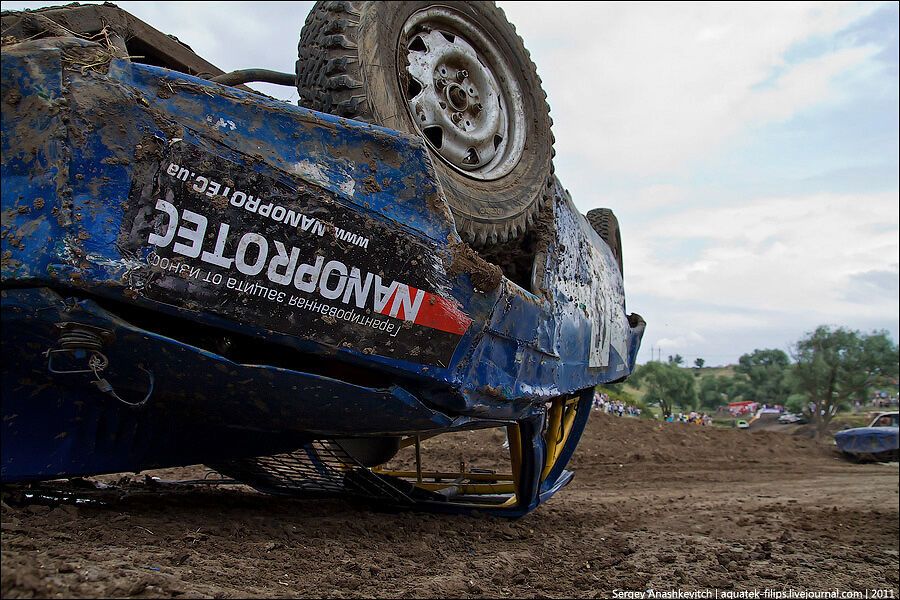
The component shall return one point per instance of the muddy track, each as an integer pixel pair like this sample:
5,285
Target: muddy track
661,506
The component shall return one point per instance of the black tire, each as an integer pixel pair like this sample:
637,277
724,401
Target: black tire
349,55
605,223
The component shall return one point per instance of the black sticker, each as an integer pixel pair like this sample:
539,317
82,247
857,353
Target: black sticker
288,257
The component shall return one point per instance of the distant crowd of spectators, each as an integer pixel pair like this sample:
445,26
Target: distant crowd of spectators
692,417
880,399
614,407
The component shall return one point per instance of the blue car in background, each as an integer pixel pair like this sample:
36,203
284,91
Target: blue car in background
879,441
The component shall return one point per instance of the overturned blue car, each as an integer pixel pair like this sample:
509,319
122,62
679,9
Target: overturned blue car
879,441
195,273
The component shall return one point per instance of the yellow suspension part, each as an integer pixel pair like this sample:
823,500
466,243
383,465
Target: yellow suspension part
514,436
561,417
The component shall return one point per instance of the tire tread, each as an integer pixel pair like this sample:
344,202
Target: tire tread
329,80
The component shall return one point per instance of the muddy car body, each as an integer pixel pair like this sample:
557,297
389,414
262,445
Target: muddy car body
880,440
195,273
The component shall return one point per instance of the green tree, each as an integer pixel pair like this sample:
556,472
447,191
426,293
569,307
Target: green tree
737,387
796,403
617,393
767,376
714,391
665,385
699,362
835,365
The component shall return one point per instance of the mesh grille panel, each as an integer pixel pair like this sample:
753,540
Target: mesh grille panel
320,468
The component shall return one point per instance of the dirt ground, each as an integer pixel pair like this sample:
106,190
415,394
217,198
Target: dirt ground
662,506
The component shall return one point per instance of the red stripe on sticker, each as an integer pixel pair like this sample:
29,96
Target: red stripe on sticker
439,313
434,311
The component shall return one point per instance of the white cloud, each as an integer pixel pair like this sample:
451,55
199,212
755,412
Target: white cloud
778,263
688,340
645,89
805,84
658,196
771,252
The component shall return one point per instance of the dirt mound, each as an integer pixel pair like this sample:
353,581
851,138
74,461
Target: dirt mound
609,439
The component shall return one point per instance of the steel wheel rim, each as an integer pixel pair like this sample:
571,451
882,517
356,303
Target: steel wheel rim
461,93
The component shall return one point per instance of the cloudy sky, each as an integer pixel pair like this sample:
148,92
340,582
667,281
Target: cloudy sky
750,151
